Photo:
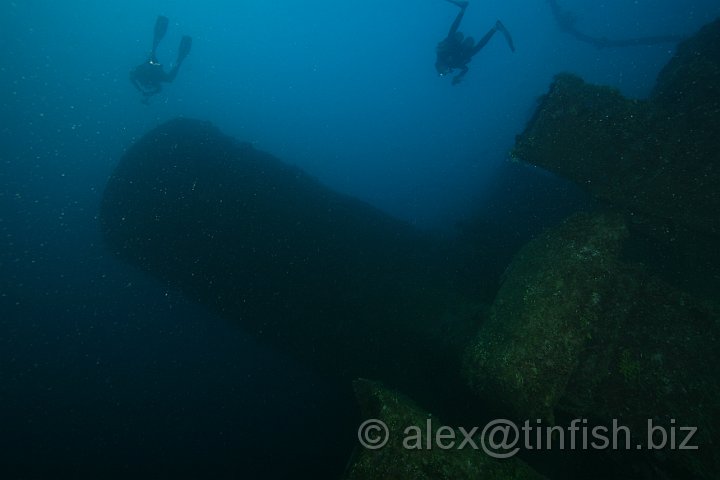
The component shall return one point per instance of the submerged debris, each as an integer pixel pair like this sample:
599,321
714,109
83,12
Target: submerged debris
415,455
327,278
577,333
657,157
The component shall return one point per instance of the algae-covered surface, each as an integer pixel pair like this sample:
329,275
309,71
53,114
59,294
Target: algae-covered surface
545,314
613,316
406,458
578,328
337,283
575,332
658,157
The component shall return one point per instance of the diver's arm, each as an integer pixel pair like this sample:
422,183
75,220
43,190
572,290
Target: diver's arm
136,83
147,92
458,78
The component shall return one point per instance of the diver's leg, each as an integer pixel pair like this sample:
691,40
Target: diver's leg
184,48
183,51
456,24
170,76
484,40
498,27
459,3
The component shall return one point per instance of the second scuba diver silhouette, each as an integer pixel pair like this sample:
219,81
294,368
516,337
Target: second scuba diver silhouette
456,50
149,76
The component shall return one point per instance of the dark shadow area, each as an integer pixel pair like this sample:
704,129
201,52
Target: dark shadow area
523,201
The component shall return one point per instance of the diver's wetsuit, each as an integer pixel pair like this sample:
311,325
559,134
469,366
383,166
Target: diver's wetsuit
456,50
149,76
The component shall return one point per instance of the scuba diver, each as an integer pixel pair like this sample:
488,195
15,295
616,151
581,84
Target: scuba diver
456,50
149,76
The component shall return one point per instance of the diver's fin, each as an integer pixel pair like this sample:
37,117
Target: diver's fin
501,28
161,25
184,48
460,3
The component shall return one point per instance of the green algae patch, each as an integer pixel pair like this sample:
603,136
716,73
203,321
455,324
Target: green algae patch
402,459
575,332
545,313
